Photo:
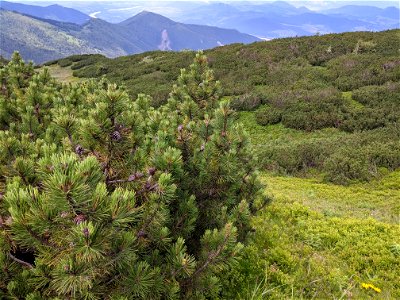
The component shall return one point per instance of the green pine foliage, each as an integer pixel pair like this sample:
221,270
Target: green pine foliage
103,197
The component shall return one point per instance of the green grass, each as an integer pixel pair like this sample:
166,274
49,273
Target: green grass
379,199
319,241
272,134
348,97
63,74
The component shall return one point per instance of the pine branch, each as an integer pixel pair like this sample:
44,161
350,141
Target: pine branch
69,135
148,222
20,261
212,256
42,240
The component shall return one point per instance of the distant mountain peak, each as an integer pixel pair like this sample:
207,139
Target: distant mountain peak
150,17
144,13
282,4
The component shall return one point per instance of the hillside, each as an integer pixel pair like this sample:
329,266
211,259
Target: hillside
54,12
340,91
37,40
42,40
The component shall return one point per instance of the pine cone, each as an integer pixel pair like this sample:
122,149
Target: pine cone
116,136
86,232
147,186
151,171
141,233
79,150
135,176
79,219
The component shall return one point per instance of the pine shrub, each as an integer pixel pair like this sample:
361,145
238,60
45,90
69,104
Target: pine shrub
103,197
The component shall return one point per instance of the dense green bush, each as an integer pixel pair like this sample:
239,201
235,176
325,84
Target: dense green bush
341,158
295,63
269,116
246,102
304,109
378,95
346,165
103,197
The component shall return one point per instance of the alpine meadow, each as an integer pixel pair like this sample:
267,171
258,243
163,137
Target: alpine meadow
253,170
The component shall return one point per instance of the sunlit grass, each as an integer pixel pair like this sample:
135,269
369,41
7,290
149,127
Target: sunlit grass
379,199
262,136
63,74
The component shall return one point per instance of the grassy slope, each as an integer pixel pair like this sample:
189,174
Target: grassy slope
305,252
264,136
243,69
378,199
318,240
37,40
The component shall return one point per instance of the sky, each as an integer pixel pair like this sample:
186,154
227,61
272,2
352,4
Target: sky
311,4
227,1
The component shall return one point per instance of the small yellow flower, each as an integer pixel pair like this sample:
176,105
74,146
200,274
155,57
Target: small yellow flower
370,286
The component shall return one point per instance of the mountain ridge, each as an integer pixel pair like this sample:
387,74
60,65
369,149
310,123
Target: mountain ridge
144,32
54,12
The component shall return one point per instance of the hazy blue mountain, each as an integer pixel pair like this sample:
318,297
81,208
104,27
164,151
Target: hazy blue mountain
365,11
384,17
169,35
42,40
53,12
263,19
118,11
281,19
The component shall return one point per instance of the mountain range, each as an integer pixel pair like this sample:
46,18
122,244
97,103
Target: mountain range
265,19
281,19
42,40
43,33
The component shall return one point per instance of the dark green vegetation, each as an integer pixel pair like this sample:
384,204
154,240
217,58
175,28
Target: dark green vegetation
42,40
104,197
334,98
